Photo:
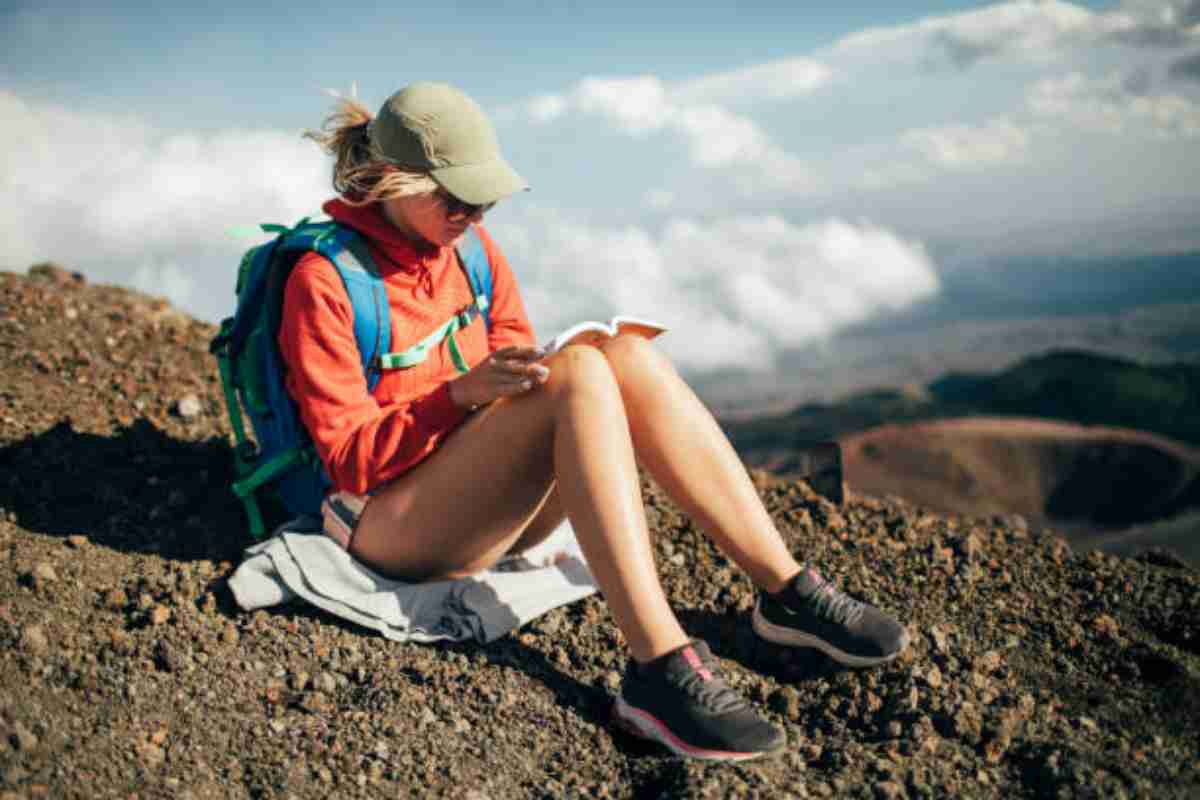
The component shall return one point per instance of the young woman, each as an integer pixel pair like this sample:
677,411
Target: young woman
440,473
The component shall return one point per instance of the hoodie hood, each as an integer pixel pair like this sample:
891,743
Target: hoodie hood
393,251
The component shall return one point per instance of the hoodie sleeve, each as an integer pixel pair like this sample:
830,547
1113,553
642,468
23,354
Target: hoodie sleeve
361,443
510,325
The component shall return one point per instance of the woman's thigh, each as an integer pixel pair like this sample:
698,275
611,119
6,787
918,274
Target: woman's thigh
465,506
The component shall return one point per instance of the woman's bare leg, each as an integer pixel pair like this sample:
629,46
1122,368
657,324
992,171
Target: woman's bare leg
466,505
681,445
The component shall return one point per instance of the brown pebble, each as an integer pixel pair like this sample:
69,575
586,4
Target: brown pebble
33,640
43,574
230,635
116,599
23,738
77,541
159,615
989,661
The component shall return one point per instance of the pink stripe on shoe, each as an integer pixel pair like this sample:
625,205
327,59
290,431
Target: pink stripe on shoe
695,663
661,733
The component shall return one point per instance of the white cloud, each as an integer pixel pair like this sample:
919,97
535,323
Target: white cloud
716,137
1154,23
637,105
127,204
1109,105
969,147
773,80
547,107
1023,29
735,292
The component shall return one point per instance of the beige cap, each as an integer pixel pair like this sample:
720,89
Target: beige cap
435,128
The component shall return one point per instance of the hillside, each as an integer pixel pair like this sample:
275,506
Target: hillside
125,671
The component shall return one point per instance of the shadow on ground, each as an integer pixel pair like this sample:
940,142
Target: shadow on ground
138,490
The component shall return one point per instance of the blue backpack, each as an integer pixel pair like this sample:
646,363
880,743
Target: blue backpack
282,458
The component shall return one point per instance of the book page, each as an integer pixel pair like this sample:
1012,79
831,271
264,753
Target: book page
595,333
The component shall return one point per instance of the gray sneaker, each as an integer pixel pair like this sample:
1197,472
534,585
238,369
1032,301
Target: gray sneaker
682,703
811,612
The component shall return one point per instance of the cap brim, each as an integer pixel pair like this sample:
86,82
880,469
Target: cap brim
480,184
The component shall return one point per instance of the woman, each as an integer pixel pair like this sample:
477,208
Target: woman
534,439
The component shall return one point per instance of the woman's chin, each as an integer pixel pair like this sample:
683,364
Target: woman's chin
452,237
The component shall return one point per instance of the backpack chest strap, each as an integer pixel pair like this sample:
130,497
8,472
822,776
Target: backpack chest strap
420,351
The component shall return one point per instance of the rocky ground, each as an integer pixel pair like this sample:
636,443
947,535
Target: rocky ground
125,670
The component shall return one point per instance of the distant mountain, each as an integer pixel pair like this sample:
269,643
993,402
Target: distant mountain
1069,385
1071,438
1088,388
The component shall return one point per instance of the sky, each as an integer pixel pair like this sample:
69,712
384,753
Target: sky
758,176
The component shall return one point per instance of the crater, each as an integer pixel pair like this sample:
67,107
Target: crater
1091,479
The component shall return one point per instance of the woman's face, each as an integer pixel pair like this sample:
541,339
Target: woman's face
430,217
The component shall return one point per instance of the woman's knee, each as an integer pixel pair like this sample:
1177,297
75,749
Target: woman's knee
633,357
580,368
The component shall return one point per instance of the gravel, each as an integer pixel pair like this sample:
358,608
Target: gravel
126,671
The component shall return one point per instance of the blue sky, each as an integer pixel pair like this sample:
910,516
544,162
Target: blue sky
768,173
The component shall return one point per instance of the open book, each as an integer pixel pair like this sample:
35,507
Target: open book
595,333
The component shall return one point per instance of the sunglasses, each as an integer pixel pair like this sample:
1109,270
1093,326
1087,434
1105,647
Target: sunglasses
457,209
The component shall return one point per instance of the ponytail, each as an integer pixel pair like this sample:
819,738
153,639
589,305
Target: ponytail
360,175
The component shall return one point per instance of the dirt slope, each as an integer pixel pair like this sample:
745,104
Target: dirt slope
125,672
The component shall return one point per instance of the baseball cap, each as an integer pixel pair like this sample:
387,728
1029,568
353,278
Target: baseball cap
435,128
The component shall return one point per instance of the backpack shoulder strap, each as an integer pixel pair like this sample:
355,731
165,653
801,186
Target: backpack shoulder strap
472,256
351,257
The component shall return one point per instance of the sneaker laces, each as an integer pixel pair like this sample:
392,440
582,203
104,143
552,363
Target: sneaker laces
837,606
714,693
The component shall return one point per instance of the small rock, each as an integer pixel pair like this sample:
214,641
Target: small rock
889,790
188,406
230,635
325,682
427,718
43,574
77,541
1105,625
298,681
115,599
22,738
971,547
33,640
989,661
159,614
996,748
933,677
785,701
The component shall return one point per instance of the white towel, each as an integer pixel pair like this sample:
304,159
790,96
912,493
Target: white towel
299,561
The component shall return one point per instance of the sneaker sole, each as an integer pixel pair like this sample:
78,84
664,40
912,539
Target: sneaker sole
794,638
646,726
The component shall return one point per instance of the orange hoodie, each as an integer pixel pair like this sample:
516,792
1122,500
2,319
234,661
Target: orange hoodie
366,439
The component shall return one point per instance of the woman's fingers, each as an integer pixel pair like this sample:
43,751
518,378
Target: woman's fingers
520,353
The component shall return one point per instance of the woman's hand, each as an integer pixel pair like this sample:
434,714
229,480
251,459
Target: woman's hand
508,371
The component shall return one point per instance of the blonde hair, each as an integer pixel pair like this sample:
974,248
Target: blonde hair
360,175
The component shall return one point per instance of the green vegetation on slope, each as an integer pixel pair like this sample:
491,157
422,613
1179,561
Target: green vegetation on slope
1087,388
1069,385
